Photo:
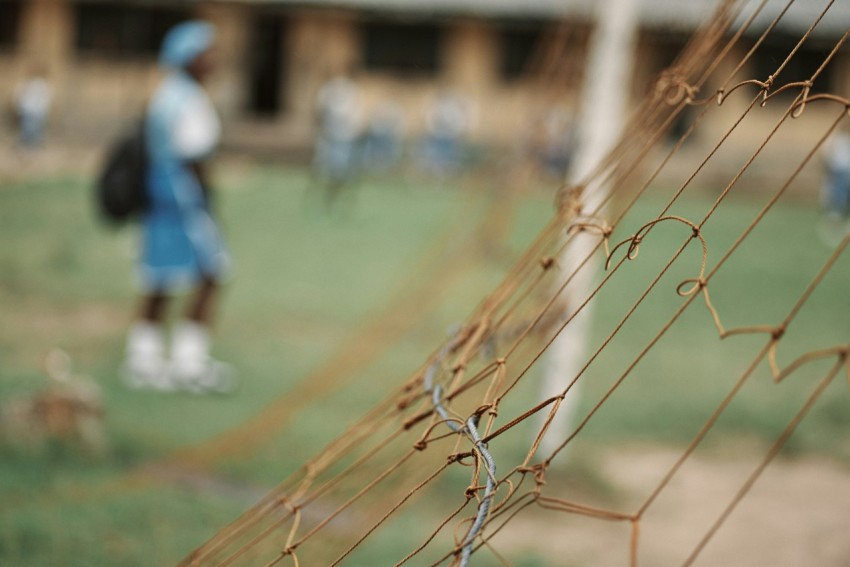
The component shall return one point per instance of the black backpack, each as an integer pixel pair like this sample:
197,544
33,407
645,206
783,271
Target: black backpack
121,190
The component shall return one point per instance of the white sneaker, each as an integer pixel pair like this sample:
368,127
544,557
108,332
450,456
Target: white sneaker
215,377
144,365
191,367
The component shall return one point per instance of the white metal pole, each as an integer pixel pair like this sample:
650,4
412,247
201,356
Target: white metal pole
602,114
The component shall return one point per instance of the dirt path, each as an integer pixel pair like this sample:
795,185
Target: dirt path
796,515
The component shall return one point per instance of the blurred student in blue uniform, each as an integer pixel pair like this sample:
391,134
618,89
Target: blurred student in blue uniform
182,246
32,105
336,161
835,190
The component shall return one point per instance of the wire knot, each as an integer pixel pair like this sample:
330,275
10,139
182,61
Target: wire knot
634,247
766,86
697,284
567,200
538,471
458,457
674,88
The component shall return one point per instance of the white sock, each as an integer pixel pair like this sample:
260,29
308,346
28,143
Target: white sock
145,353
190,350
191,367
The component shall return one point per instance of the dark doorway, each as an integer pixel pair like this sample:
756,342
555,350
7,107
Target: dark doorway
267,65
9,23
402,47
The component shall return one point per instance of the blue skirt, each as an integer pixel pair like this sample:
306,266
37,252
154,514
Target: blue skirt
181,242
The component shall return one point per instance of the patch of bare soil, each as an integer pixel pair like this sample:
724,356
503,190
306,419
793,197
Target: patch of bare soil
39,327
796,514
53,159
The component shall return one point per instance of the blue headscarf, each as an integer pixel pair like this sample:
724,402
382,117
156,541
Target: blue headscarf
184,42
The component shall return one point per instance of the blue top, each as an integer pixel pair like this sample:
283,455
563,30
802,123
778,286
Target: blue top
181,241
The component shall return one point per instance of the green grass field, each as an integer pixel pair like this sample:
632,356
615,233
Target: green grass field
306,283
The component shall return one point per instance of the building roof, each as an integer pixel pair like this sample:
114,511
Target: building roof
802,14
675,14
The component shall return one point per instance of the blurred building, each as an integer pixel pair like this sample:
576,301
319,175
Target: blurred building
513,59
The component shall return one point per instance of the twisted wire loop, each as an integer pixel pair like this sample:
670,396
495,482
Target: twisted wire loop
673,87
800,105
463,400
568,200
489,491
594,225
470,429
763,87
635,240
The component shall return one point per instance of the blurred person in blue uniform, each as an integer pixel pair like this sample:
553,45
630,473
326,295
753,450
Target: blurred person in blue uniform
182,245
336,161
382,143
448,122
835,190
32,107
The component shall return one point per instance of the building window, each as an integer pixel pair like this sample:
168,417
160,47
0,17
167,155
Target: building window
666,46
123,31
805,62
517,49
11,10
267,65
402,47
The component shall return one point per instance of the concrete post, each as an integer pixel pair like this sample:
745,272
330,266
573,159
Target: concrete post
601,118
